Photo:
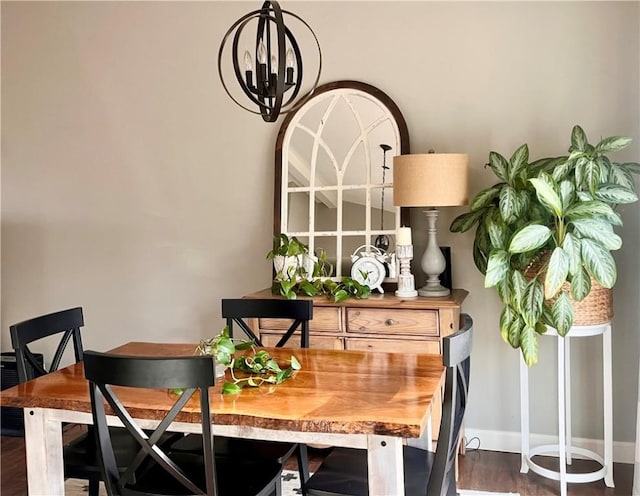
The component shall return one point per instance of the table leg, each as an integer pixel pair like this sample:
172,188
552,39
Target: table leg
524,415
608,402
43,444
567,395
386,475
562,438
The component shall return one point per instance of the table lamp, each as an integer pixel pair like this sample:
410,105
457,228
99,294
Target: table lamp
431,180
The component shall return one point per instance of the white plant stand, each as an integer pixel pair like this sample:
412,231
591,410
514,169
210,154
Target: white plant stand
565,449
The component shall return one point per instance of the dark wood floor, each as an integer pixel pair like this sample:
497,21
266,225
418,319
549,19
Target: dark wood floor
486,470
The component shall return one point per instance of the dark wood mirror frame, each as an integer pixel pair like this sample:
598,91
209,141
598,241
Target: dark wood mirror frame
378,94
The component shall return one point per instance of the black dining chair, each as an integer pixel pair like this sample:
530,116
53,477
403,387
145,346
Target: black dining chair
80,454
344,471
238,312
156,470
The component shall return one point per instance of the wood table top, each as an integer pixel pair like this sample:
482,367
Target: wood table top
349,392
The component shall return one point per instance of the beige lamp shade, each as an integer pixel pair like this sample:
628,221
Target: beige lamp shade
430,180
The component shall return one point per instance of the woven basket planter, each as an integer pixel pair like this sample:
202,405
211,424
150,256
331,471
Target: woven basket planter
595,308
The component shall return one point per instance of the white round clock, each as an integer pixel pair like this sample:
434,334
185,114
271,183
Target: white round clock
370,271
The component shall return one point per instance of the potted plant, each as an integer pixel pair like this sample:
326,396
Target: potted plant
545,233
291,259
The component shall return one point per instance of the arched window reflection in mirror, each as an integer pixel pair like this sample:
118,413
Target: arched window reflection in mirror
334,159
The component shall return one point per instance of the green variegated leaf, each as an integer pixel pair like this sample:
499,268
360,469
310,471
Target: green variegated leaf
599,262
486,197
575,155
557,272
592,175
631,167
585,196
614,218
567,194
524,201
605,167
480,257
621,176
615,194
513,337
529,345
561,171
466,221
529,238
562,312
580,285
499,165
546,165
612,144
509,202
547,195
518,162
519,286
589,209
571,247
578,139
481,248
598,230
497,268
497,231
504,289
532,303
507,318
547,315
581,165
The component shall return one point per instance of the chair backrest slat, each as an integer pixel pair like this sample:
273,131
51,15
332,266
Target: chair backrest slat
237,310
191,374
65,322
456,356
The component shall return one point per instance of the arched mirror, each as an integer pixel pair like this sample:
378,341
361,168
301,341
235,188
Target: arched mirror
333,181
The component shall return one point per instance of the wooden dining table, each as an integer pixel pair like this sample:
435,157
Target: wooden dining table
358,399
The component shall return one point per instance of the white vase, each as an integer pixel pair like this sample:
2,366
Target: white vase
286,265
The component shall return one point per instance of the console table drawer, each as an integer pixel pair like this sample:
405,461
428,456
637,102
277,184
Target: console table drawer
393,345
390,320
315,340
324,319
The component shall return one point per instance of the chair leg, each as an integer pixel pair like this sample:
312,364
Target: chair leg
278,488
303,466
94,487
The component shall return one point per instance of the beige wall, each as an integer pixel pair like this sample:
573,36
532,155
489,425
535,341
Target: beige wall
132,186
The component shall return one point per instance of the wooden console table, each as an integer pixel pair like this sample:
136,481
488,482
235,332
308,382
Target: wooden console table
382,322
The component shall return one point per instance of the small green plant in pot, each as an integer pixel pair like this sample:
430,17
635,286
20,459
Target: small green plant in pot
291,260
559,213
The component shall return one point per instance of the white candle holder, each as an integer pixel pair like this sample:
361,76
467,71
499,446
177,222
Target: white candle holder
406,282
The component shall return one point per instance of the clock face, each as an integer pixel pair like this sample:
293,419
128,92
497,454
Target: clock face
369,271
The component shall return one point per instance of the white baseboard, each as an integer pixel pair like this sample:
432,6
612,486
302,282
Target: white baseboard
623,452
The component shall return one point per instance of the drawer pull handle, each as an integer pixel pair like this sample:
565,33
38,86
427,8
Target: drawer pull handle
389,322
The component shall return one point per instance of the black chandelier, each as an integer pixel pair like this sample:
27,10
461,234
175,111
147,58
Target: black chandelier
273,70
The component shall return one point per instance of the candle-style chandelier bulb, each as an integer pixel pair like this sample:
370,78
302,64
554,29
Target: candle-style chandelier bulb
262,52
276,53
248,61
291,59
